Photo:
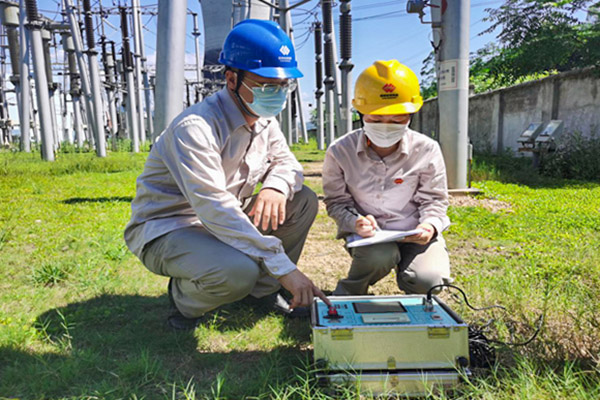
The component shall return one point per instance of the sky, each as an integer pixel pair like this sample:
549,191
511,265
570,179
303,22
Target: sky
382,30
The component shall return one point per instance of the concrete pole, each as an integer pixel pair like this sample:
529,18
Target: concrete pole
95,81
132,120
319,81
170,49
70,11
346,65
25,109
39,69
196,34
286,114
453,89
147,89
138,68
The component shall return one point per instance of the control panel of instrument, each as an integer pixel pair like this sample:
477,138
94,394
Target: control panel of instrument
381,311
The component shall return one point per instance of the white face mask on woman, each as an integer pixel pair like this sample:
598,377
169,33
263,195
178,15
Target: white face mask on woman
385,135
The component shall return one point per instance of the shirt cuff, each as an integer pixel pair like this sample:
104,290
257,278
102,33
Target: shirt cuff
278,265
435,222
274,182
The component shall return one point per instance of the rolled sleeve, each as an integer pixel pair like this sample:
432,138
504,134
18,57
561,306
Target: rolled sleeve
194,160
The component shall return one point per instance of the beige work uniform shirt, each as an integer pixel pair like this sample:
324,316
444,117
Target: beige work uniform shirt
401,190
203,170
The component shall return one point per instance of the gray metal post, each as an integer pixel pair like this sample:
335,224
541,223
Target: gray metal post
170,49
132,120
319,84
138,68
346,65
286,114
70,11
330,94
453,90
95,81
196,34
41,83
147,89
25,109
77,123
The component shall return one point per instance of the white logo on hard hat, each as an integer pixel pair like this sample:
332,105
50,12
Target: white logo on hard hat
284,50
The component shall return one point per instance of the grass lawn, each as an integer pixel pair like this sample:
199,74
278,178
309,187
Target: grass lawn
81,318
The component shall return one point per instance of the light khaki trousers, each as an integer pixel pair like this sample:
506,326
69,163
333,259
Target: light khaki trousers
418,267
208,273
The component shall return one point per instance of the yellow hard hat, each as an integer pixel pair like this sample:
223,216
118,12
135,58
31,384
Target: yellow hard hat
387,88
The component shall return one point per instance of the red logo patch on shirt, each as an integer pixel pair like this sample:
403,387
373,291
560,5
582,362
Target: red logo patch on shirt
398,181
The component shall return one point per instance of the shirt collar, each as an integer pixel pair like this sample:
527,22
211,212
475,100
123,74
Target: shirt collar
230,109
403,148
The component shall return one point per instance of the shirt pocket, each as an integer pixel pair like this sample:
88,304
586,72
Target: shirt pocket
257,168
403,188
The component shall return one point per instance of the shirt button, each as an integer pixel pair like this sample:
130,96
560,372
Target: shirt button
275,269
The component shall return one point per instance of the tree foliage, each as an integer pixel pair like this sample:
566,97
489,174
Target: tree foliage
535,38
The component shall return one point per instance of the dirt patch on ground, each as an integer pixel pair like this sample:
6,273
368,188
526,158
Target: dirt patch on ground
313,168
489,204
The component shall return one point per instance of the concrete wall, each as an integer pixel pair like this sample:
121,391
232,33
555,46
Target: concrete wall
497,118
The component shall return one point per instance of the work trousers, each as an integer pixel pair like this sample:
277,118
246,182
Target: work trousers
419,267
208,273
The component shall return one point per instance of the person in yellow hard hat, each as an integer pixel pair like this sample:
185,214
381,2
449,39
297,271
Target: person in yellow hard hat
386,176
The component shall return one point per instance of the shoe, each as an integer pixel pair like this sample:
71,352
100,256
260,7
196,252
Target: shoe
176,320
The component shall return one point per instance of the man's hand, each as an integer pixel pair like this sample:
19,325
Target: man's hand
423,237
268,207
302,288
366,226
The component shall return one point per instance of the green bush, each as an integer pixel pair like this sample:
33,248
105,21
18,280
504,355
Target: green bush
577,157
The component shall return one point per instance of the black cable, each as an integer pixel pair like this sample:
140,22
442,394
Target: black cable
464,296
479,333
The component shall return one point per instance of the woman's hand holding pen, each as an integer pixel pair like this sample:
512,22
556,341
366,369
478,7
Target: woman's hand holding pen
366,226
423,237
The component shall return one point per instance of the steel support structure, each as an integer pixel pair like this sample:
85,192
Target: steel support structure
95,81
70,11
25,87
41,83
137,55
132,119
146,81
319,83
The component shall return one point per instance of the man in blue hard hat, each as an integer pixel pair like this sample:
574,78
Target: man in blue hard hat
195,217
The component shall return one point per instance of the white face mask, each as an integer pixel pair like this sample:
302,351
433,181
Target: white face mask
385,135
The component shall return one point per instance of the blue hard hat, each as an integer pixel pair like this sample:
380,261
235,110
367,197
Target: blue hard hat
262,48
